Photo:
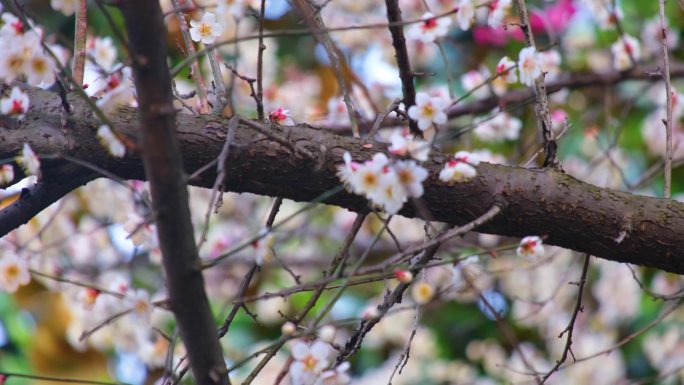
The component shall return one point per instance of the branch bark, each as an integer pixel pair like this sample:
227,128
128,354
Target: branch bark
164,168
609,224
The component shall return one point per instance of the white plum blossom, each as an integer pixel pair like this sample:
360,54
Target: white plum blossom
530,246
651,37
387,184
403,276
550,62
263,249
430,29
460,169
465,14
422,293
390,193
109,140
206,30
102,50
6,174
29,161
465,271
626,51
281,117
17,103
502,126
67,7
288,328
234,8
337,376
606,12
411,177
497,12
327,333
529,66
309,361
428,110
506,70
404,144
475,81
14,272
118,93
139,302
40,69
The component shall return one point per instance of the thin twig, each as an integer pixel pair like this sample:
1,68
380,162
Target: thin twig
542,108
80,41
571,325
194,67
403,63
260,64
668,89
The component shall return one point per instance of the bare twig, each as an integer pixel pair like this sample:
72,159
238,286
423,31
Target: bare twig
260,64
80,41
542,107
194,67
401,54
571,325
668,90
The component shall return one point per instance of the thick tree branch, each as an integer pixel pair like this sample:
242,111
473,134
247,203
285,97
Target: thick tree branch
606,223
164,168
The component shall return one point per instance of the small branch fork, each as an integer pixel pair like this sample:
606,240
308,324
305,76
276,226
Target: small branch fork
571,325
395,296
542,107
401,53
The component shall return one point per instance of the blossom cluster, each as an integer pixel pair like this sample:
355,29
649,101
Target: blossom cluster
23,56
387,183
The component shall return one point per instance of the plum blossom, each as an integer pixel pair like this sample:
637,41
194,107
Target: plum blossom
411,177
17,103
6,174
281,117
530,246
309,361
139,301
263,249
428,110
626,51
206,30
403,144
327,333
502,126
465,14
422,293
460,169
29,161
430,29
109,140
102,50
117,93
506,70
498,10
67,7
14,272
288,328
337,376
403,276
529,65
234,8
474,81
550,62
386,184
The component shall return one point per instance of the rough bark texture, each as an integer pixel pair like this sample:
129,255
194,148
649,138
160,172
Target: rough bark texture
164,169
568,212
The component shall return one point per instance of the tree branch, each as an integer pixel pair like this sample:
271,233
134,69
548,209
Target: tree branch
164,168
568,212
